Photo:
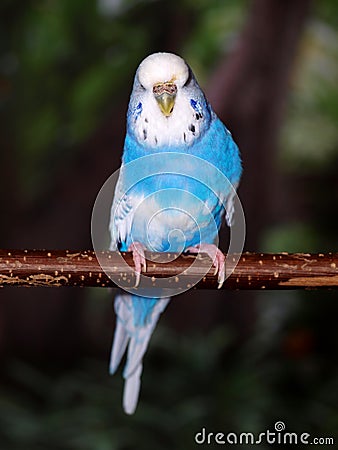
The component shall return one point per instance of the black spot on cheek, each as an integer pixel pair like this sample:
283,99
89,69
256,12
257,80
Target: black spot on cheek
155,140
198,116
192,128
146,120
185,137
144,134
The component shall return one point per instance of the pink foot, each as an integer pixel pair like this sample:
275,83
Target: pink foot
217,257
139,260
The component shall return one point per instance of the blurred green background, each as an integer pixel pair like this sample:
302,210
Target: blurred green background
229,361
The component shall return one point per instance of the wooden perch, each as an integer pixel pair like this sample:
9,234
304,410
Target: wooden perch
35,268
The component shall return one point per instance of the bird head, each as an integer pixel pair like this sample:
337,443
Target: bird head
163,74
167,106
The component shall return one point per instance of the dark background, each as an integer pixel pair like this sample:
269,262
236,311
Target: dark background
227,361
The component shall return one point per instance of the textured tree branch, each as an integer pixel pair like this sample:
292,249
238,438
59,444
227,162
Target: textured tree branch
35,268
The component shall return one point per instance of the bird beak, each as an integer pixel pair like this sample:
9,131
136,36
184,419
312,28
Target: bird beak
165,94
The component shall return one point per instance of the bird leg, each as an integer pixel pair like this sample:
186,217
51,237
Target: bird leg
139,260
217,257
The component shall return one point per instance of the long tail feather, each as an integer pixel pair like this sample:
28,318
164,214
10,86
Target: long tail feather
119,346
136,320
131,391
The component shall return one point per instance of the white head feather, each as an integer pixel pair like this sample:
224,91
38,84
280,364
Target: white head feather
163,67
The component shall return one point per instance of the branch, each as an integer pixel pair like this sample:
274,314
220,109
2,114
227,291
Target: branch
35,268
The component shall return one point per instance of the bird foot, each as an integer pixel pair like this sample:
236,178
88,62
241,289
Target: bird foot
139,260
217,257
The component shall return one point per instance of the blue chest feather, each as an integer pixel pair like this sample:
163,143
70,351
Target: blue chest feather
175,201
215,146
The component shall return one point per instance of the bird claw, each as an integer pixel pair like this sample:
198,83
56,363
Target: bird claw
217,257
139,260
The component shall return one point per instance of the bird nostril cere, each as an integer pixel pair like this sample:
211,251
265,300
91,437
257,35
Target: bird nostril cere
168,88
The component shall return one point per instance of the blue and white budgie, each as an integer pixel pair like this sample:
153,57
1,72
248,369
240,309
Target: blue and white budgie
167,113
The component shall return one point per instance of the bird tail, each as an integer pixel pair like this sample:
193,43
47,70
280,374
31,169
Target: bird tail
136,320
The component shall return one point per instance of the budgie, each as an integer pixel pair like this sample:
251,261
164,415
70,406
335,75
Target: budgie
167,114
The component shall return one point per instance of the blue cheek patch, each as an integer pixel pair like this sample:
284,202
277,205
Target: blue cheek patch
197,107
137,111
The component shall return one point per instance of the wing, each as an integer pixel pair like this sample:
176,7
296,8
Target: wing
122,215
230,207
226,157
